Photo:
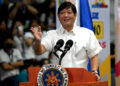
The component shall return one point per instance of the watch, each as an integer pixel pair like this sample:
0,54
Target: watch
94,71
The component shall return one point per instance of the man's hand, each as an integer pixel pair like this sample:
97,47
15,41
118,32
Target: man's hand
17,64
37,34
97,76
38,47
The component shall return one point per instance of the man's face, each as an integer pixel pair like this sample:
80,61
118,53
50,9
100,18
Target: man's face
67,17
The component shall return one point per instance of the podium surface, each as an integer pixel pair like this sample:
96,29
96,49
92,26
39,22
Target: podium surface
76,77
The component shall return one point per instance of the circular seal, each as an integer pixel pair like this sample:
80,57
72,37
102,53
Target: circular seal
52,75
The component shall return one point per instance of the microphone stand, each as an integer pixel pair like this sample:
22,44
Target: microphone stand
56,55
61,57
60,60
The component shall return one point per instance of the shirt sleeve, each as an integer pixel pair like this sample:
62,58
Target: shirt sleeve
93,46
47,41
2,58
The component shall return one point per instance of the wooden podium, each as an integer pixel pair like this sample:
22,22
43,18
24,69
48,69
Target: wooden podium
76,77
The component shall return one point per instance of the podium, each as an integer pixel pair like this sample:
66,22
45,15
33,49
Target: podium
76,77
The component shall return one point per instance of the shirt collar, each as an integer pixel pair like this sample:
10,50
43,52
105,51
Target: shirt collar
63,31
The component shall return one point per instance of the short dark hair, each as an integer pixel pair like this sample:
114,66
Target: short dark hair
67,5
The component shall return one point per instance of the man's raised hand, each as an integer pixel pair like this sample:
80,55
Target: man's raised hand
37,33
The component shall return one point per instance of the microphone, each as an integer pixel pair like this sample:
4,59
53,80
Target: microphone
67,47
58,45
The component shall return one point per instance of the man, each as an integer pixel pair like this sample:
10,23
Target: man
10,62
84,45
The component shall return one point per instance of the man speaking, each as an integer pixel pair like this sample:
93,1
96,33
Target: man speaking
77,43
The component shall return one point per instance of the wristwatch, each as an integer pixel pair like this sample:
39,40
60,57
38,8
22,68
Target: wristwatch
94,71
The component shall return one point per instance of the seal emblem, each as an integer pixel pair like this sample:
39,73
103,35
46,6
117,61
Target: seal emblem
52,75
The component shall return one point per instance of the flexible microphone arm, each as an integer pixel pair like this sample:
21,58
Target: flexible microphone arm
56,53
60,60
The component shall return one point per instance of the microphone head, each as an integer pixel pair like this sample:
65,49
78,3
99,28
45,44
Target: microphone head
69,44
59,44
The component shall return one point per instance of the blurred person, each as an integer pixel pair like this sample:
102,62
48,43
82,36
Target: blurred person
3,20
84,41
29,56
28,46
24,11
17,33
51,21
10,62
3,32
43,12
112,53
3,13
44,62
2,25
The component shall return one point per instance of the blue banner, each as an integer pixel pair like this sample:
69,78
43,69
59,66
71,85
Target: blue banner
86,20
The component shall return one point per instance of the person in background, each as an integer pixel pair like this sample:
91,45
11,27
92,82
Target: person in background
82,40
24,11
43,13
112,52
29,56
17,33
3,32
44,62
3,13
51,20
10,62
3,20
28,46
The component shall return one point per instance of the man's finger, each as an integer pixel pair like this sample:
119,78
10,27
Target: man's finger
39,29
32,29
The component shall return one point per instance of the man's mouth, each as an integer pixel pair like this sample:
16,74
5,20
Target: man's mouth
65,20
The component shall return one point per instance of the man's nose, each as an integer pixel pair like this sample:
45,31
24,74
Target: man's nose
66,14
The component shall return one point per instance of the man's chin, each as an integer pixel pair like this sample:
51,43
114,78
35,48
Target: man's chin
66,25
